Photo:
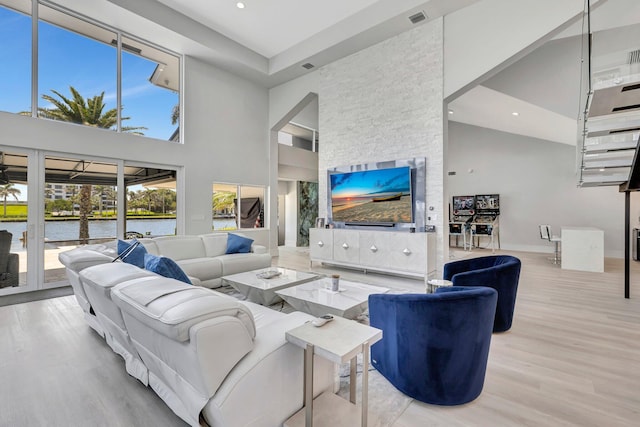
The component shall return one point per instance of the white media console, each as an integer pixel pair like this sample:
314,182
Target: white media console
393,252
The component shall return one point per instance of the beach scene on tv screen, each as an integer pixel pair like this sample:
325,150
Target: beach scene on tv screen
380,195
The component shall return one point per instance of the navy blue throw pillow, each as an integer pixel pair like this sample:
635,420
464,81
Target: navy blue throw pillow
165,267
238,244
135,256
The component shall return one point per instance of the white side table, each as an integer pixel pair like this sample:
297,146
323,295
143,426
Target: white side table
338,341
434,284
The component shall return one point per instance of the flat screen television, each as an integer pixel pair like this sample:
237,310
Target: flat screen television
377,196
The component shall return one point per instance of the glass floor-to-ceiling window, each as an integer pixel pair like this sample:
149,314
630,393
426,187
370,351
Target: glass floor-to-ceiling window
151,200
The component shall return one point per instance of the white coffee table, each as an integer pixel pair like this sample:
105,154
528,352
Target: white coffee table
263,291
314,297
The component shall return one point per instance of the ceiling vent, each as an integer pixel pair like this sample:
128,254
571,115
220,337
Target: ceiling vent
418,17
308,65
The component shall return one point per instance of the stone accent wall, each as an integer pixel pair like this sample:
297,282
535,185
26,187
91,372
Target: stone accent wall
307,210
383,103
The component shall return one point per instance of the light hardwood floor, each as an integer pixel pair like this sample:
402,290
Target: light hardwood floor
572,358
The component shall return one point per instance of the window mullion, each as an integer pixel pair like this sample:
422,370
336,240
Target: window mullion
34,58
119,83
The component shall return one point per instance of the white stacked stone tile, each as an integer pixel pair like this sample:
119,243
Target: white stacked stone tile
383,103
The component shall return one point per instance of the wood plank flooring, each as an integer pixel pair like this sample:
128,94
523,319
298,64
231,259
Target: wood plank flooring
56,371
572,358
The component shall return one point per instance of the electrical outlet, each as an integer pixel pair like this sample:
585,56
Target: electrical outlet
432,217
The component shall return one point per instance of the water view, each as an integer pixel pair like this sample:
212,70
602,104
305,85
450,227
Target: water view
68,230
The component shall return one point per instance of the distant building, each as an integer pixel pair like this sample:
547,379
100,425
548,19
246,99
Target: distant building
60,191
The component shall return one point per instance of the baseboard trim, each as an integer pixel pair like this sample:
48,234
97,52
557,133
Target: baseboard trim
35,295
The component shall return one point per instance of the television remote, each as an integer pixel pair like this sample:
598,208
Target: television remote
319,321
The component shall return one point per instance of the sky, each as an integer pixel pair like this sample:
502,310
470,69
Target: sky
359,184
68,59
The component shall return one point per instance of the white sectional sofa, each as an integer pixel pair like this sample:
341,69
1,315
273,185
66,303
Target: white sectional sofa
202,258
213,359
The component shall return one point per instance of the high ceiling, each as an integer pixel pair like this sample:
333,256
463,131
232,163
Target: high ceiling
269,41
291,32
270,28
544,86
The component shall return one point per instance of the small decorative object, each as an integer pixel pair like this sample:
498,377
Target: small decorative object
268,274
319,222
335,282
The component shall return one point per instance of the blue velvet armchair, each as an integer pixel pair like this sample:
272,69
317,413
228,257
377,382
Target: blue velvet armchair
500,272
434,347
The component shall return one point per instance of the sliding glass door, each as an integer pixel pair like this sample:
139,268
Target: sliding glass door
50,203
80,207
14,219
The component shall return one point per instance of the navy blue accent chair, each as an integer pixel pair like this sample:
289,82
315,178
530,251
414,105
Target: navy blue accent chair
434,347
500,272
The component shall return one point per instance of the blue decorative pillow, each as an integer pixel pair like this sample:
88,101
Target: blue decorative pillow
165,267
136,256
238,244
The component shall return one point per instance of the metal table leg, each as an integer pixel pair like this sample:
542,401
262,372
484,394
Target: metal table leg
365,383
353,364
308,385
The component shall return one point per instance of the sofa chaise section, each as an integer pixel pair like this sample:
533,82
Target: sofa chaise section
97,282
209,354
76,260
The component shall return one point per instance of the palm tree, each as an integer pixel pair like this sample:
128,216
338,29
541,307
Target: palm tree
89,112
150,196
7,190
175,114
224,201
86,208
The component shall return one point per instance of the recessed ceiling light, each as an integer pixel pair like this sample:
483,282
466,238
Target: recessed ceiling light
601,170
450,111
240,5
515,113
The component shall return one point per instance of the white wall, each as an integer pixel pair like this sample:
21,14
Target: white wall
284,97
308,116
291,203
486,34
225,140
289,190
385,103
537,185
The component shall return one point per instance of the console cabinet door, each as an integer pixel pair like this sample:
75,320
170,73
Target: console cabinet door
408,252
321,244
346,246
375,249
